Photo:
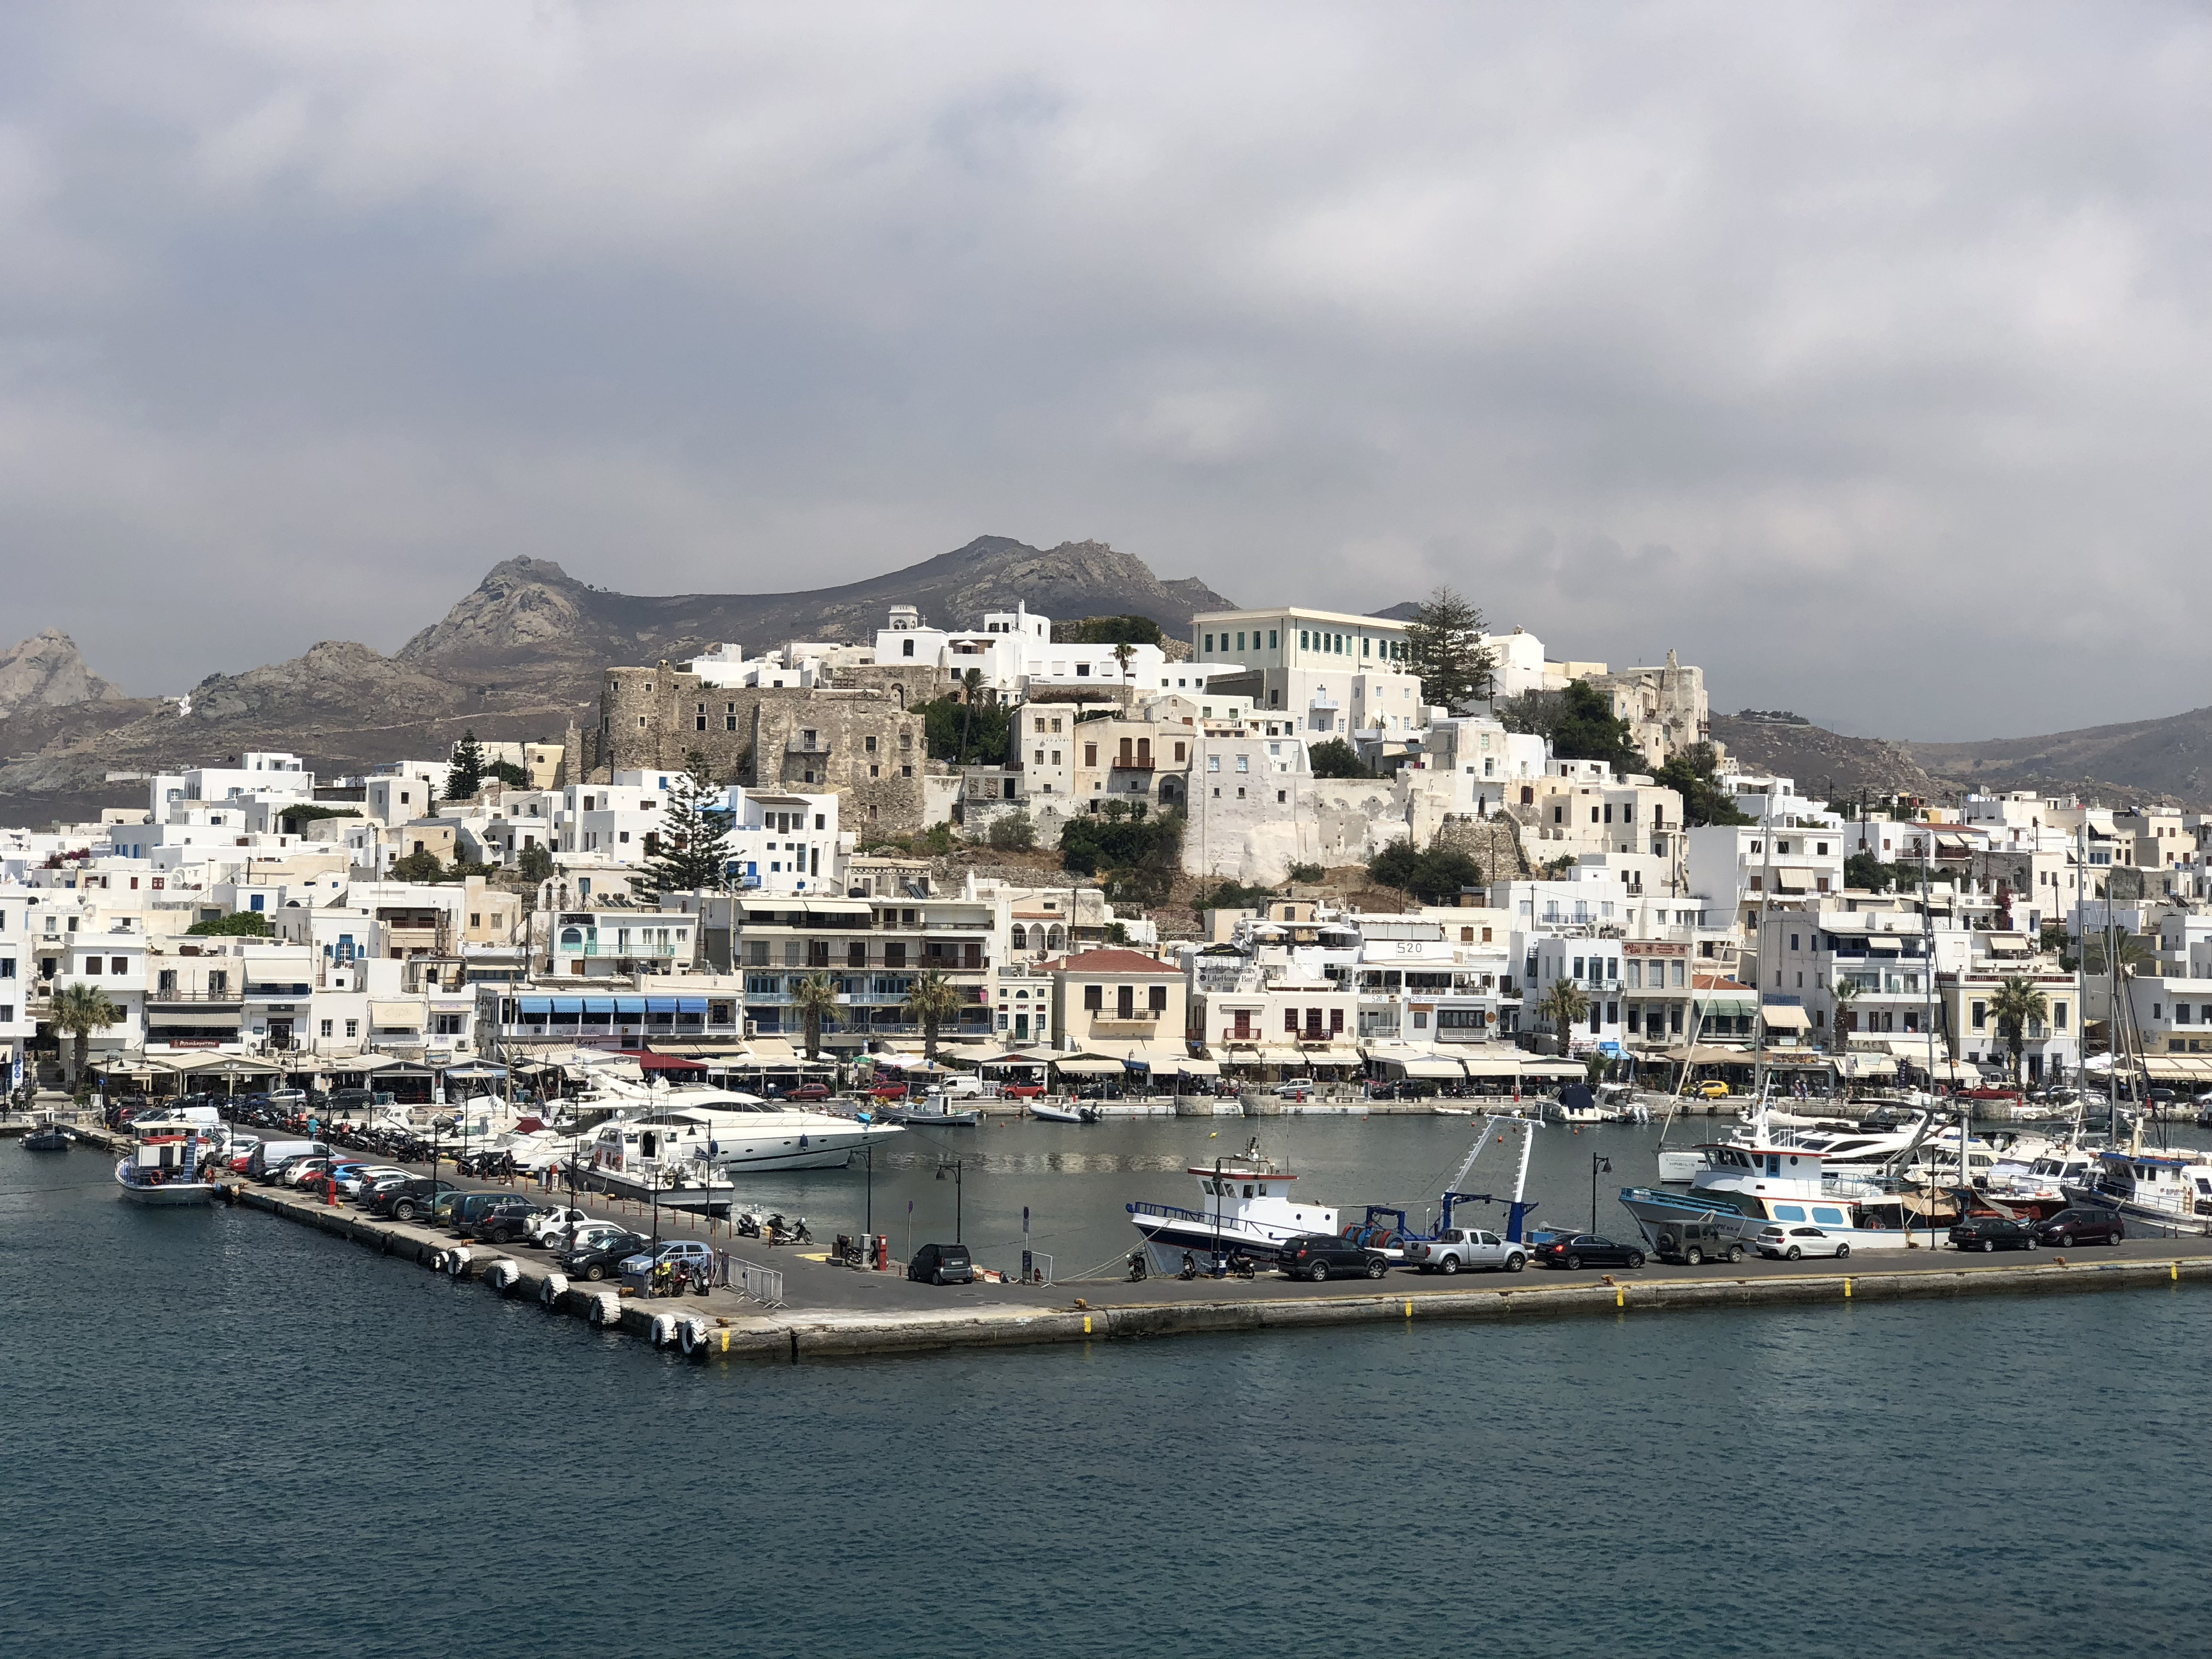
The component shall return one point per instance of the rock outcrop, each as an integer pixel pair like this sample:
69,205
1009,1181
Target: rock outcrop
47,670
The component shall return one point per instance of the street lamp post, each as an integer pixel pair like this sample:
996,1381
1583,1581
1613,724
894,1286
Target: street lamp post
959,1168
1600,1163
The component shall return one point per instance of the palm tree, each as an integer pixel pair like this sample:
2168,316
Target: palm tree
2016,1002
1564,1006
972,681
1122,652
932,1000
81,1010
1846,992
816,997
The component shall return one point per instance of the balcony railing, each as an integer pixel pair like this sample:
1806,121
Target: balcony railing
158,997
593,947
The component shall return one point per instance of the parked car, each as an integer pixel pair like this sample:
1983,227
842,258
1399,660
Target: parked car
1465,1247
811,1092
1693,1243
358,1180
1712,1091
1318,1255
690,1252
1992,1232
1022,1090
504,1222
411,1199
888,1091
274,1154
594,1261
2071,1227
556,1224
942,1264
1576,1250
465,1210
1297,1088
1780,1243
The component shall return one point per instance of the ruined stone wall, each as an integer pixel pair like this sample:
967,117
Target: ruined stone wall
860,743
1493,842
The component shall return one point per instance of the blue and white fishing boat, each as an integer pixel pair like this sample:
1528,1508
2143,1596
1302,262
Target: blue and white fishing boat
163,1166
1760,1178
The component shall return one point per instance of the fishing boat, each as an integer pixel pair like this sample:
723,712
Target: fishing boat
692,1184
47,1136
2170,1189
1748,1182
1247,1206
163,1166
935,1112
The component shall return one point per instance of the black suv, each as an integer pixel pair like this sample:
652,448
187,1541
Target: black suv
1992,1232
942,1264
1316,1255
405,1199
507,1220
2071,1227
598,1261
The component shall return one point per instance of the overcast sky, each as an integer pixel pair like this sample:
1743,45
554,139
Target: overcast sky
1861,355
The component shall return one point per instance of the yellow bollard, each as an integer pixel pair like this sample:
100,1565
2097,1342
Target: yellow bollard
1620,1296
1409,1306
1086,1324
1847,1287
2176,1274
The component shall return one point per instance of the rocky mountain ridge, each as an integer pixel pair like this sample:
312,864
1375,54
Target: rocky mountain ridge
519,655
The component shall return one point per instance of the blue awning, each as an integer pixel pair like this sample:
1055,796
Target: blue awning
660,1004
598,1005
629,1005
567,1004
538,1005
691,1004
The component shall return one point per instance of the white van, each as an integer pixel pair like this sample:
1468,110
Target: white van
271,1153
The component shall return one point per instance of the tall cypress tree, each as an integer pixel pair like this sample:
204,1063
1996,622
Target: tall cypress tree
694,838
465,778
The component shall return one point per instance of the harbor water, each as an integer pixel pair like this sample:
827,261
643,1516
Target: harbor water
231,1436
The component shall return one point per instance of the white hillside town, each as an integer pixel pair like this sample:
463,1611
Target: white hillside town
1371,855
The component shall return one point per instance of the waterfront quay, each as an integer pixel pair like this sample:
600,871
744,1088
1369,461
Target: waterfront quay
827,1310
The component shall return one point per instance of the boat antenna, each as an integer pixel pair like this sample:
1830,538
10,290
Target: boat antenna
2081,982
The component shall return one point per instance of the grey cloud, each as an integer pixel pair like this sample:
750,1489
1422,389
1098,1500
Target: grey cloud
1858,353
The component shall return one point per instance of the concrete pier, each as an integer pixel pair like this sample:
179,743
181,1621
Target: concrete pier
832,1310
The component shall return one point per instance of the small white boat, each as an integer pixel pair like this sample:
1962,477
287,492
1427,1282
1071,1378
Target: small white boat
693,1185
1051,1113
163,1166
1248,1207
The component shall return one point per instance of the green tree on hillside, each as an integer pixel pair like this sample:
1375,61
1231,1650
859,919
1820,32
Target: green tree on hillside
465,776
1689,773
693,842
1445,650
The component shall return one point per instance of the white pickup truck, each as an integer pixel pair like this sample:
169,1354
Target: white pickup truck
1465,1247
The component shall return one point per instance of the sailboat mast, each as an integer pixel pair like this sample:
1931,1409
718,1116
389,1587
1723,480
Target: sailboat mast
1758,985
2081,979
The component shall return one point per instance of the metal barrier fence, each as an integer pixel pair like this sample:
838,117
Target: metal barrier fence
763,1285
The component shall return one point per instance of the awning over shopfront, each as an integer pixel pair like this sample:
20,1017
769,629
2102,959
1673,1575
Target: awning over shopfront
1280,1056
1560,1068
1188,1068
1087,1065
1431,1069
1785,1017
2178,1068
1481,1064
772,1051
649,1062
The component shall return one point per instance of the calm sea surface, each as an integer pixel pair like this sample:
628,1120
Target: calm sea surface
227,1435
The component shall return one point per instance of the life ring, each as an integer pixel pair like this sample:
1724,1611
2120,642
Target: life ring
153,1177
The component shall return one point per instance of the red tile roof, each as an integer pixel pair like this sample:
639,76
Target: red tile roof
1110,961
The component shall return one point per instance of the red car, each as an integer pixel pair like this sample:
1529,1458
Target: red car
810,1091
1022,1090
888,1091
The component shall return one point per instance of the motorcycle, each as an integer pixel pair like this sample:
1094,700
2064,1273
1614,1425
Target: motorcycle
1139,1266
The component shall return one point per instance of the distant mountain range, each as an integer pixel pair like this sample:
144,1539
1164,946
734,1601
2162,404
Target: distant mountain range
519,656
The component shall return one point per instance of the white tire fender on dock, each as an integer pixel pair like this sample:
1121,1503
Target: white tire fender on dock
437,1261
607,1309
663,1330
457,1262
694,1333
503,1276
550,1292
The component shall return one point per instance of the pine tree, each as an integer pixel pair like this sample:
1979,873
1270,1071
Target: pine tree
467,776
1445,650
694,837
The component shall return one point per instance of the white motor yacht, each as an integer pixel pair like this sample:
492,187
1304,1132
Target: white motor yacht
733,1132
2172,1189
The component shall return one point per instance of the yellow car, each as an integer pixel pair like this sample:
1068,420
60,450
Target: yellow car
1712,1091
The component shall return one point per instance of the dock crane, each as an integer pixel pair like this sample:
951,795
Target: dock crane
1517,1207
